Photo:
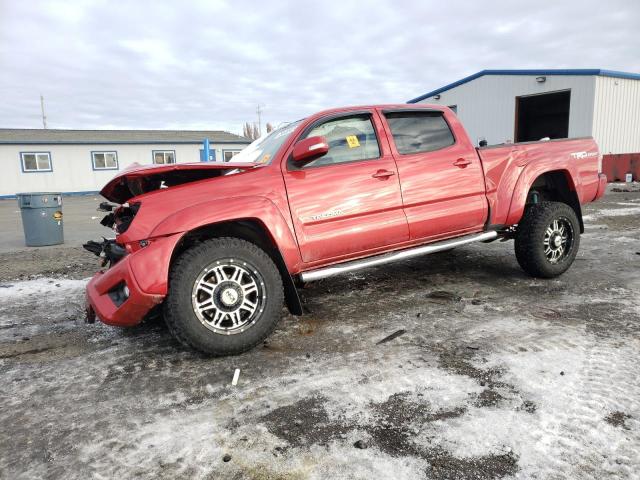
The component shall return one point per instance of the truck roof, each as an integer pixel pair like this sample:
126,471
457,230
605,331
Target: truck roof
387,106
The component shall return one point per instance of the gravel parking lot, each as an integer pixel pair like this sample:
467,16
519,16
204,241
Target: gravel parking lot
490,373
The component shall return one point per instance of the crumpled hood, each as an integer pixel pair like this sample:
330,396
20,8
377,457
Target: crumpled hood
138,179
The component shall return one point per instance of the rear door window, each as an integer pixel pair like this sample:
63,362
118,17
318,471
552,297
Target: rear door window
419,132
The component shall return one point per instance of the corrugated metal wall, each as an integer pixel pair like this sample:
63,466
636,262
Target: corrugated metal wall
616,124
487,105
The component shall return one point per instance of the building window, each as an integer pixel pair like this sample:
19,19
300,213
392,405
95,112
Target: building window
161,157
229,154
417,132
104,160
36,161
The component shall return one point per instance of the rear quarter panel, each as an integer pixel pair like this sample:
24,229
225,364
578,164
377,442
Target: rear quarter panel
510,170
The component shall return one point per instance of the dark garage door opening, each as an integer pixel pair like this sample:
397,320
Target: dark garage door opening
545,115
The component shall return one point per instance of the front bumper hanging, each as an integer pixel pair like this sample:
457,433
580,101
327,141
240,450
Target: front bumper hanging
134,283
115,297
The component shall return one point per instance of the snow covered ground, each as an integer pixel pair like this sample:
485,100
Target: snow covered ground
496,375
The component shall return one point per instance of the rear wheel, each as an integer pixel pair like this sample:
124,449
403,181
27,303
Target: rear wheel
547,239
225,297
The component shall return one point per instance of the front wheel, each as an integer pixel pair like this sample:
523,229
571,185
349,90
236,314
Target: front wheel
225,297
547,239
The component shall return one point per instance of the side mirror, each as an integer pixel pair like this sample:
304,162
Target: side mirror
309,149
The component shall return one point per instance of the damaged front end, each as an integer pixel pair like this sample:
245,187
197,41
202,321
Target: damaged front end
107,250
138,180
110,291
119,219
135,265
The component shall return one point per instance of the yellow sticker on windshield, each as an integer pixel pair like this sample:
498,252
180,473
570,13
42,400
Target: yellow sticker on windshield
352,141
265,158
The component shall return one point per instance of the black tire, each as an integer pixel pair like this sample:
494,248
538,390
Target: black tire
532,253
180,309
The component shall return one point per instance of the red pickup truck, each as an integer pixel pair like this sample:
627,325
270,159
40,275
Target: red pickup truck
223,245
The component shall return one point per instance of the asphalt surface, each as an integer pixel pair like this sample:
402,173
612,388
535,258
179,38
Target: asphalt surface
485,373
81,222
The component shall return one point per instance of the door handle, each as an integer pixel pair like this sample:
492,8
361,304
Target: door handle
462,162
383,174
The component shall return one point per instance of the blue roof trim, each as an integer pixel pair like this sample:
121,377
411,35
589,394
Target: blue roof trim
574,71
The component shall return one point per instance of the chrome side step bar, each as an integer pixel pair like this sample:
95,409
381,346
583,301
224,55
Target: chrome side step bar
351,266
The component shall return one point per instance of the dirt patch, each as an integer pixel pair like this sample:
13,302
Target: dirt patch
308,324
397,423
447,467
618,419
529,406
458,362
305,423
488,398
596,316
45,347
443,297
399,420
67,262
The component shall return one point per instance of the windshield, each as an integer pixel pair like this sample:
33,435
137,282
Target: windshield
264,148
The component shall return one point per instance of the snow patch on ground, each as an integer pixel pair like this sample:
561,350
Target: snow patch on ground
50,301
42,287
347,393
612,212
572,388
167,442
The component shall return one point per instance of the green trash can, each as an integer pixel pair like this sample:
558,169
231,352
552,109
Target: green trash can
41,218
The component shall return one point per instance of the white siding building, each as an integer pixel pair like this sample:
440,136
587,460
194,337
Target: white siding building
82,161
521,105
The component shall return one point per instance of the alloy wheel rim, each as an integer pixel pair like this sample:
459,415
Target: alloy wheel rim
228,296
558,240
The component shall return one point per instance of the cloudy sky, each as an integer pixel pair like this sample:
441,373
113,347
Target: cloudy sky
208,64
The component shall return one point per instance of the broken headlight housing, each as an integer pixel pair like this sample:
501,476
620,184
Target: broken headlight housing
108,250
120,219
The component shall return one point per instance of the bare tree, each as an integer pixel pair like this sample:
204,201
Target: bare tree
251,131
269,127
247,131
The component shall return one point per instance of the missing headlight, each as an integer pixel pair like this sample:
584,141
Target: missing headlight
124,215
119,293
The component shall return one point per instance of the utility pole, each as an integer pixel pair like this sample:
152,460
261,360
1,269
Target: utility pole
44,117
259,112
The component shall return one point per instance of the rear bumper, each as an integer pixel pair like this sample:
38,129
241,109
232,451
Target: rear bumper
132,310
602,186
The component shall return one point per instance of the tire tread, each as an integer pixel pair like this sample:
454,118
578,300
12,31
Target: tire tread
527,245
180,270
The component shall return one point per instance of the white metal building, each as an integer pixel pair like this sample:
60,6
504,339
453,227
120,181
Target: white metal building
82,161
522,105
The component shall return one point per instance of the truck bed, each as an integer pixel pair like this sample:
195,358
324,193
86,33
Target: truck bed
507,166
